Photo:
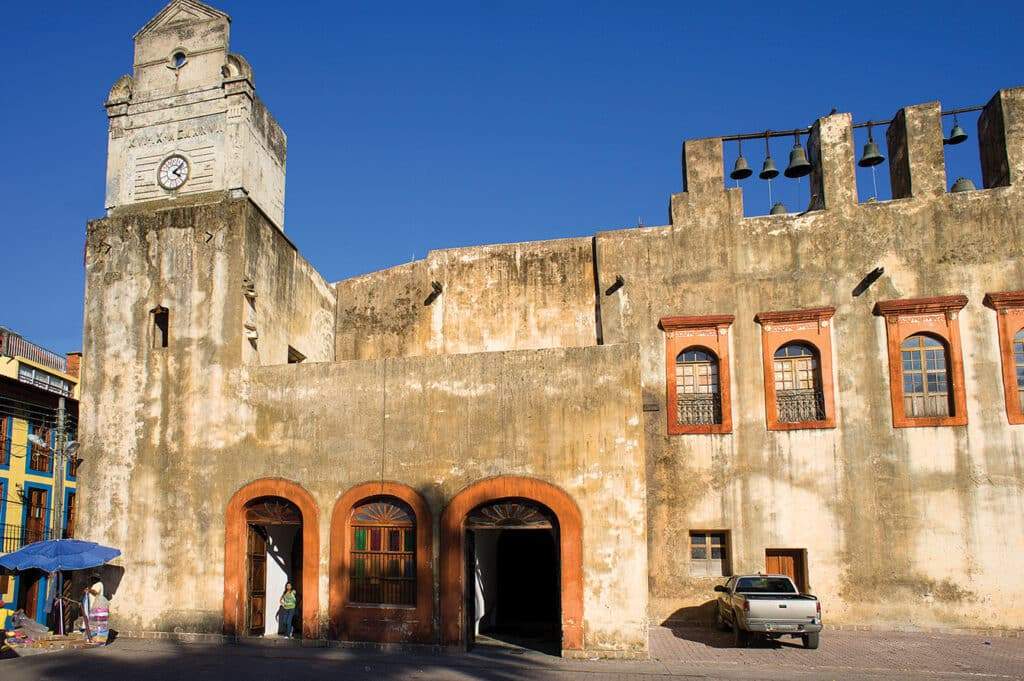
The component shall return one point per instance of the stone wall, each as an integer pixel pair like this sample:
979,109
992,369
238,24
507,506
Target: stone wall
172,433
914,526
503,297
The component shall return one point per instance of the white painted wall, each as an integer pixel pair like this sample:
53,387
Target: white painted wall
280,539
485,553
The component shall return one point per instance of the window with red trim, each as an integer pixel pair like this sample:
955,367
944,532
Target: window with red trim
796,348
697,374
1009,308
926,371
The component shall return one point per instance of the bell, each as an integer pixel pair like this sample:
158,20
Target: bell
956,135
778,209
871,155
741,171
798,165
768,170
963,184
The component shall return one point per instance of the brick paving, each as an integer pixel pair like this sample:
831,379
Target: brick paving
684,653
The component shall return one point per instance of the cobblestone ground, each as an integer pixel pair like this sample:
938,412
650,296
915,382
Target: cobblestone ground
680,653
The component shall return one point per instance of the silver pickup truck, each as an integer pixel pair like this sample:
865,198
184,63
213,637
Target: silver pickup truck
769,606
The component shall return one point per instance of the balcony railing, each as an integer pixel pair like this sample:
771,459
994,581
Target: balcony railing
799,406
16,537
698,409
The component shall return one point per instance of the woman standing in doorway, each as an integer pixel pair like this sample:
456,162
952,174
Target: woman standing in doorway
288,602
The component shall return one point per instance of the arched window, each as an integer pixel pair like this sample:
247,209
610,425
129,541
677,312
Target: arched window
698,399
798,394
1018,362
383,565
925,382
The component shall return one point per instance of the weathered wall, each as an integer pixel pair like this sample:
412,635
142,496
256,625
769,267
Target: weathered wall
902,526
504,297
171,433
293,305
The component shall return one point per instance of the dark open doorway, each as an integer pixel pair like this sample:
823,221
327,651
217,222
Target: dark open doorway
273,558
513,577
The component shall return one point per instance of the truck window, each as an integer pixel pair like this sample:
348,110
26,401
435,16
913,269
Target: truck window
765,585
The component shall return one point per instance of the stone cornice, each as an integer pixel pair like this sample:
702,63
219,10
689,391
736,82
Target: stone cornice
811,314
696,322
1004,300
935,305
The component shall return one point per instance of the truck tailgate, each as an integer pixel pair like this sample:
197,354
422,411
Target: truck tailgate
782,607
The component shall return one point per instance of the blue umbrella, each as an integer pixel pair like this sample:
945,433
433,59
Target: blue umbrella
55,555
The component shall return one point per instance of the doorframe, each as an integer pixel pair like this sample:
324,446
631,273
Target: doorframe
570,551
236,563
801,563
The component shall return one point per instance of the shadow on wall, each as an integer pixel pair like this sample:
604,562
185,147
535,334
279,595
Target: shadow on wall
171,660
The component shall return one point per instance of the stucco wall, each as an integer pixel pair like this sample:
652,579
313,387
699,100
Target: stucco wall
171,433
500,374
902,526
502,297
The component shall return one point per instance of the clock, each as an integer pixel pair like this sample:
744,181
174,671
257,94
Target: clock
173,172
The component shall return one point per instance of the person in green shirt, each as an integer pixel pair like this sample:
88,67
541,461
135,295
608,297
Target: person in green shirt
288,601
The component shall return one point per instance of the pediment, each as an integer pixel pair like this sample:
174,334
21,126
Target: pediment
179,12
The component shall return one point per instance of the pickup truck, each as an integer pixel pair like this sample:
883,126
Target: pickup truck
768,606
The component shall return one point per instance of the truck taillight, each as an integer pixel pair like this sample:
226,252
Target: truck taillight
746,606
818,606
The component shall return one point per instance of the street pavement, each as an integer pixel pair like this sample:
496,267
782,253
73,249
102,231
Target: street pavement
688,653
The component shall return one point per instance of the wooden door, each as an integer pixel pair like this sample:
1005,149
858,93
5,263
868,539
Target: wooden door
256,587
28,598
35,524
788,562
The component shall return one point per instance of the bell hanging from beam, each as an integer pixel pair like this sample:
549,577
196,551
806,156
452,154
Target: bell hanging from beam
798,164
963,184
956,134
871,156
768,170
741,170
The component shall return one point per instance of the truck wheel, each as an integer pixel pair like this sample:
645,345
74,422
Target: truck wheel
811,640
720,622
740,637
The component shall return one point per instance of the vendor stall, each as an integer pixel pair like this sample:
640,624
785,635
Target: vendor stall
57,557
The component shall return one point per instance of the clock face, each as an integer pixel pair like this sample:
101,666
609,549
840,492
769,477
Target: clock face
173,172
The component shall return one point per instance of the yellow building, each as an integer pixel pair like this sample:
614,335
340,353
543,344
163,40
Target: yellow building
38,420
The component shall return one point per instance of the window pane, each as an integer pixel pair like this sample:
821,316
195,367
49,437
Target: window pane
698,552
716,552
360,539
394,540
410,540
374,539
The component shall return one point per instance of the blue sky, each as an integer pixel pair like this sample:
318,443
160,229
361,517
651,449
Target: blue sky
413,126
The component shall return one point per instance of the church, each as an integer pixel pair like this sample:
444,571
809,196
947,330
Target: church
563,442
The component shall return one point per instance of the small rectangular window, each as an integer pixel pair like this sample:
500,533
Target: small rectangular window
708,554
4,584
161,320
294,356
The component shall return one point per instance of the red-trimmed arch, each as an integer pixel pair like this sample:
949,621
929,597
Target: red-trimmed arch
235,528
352,622
570,525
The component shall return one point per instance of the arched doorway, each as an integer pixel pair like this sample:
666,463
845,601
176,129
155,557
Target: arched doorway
273,557
270,538
535,530
512,575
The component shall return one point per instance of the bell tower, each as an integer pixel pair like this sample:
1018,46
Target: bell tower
188,121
